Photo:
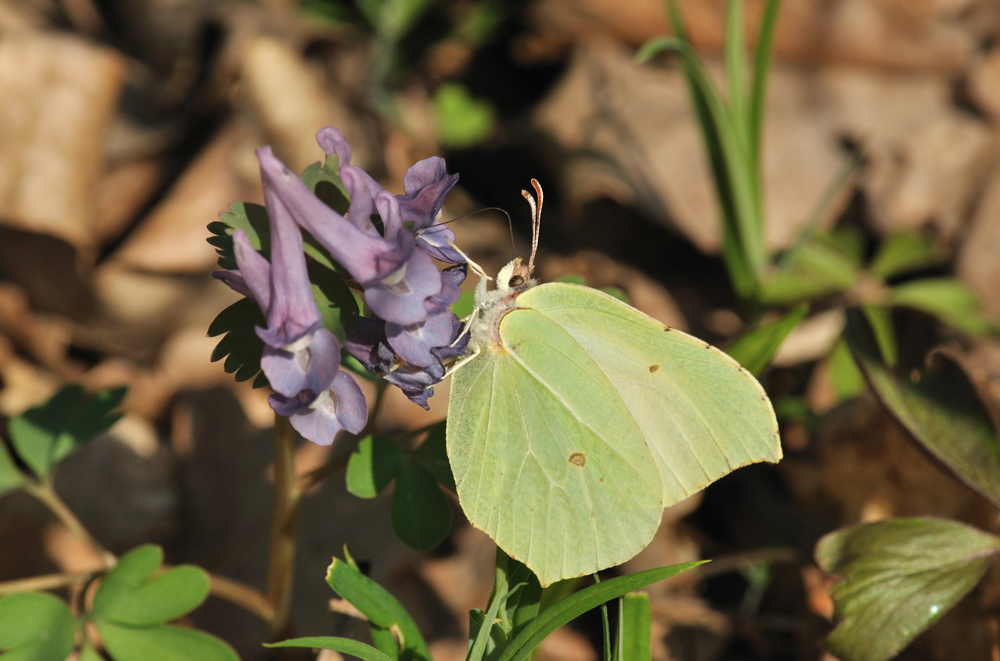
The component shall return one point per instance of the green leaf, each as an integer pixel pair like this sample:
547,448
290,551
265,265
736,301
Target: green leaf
462,120
433,456
579,603
323,179
130,595
483,637
761,69
819,267
885,336
333,298
757,347
464,305
735,70
518,610
344,645
10,477
421,515
380,607
635,620
947,299
240,345
496,639
901,576
246,216
942,411
652,48
905,252
45,434
88,653
372,466
845,377
36,626
162,643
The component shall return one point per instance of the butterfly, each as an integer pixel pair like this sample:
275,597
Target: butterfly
574,419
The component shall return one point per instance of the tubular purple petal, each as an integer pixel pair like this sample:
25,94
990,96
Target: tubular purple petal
426,184
413,343
332,141
342,406
255,271
310,367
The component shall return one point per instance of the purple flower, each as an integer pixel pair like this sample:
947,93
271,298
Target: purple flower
396,277
426,184
320,417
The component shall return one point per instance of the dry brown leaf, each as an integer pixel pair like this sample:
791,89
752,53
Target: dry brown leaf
59,95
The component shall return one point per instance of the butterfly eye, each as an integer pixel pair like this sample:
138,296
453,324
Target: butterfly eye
516,281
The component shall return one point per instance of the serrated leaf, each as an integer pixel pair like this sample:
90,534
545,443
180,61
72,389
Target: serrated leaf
162,643
131,595
10,477
634,622
344,645
45,434
577,604
904,252
246,216
380,607
433,456
947,299
240,345
372,466
36,626
901,576
755,349
942,411
421,515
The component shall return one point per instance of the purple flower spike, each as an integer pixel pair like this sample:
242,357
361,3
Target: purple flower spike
413,343
426,184
292,313
311,367
253,279
332,141
362,190
403,296
341,406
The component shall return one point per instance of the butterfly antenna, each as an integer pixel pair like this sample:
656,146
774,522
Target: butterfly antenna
536,220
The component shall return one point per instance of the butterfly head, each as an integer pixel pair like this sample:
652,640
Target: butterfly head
515,277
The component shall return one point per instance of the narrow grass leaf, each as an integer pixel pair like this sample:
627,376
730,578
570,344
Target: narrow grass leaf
755,349
635,620
342,645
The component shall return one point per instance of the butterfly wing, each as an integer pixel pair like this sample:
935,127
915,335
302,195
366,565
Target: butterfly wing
547,458
701,413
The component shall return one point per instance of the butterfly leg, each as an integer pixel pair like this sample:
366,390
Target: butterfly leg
476,268
455,366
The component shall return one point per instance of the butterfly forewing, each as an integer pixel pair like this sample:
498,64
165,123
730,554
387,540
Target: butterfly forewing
700,412
547,458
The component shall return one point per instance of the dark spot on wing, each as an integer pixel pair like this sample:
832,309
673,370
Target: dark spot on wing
577,459
653,368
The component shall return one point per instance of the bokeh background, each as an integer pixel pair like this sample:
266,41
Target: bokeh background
126,126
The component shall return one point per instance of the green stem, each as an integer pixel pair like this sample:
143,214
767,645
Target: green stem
44,492
284,523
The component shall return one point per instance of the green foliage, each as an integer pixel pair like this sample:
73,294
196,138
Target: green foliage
900,576
240,345
344,645
485,637
134,602
462,120
421,515
246,216
10,477
904,252
757,347
564,611
947,299
392,628
942,410
36,626
633,641
44,435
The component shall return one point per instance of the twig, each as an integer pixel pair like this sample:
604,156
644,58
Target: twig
47,495
284,523
47,582
242,595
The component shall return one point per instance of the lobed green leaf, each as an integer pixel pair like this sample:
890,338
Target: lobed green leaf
162,643
36,626
900,576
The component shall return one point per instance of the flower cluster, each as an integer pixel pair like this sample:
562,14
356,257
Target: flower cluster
407,330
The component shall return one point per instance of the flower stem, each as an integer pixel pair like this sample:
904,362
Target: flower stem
44,492
284,523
